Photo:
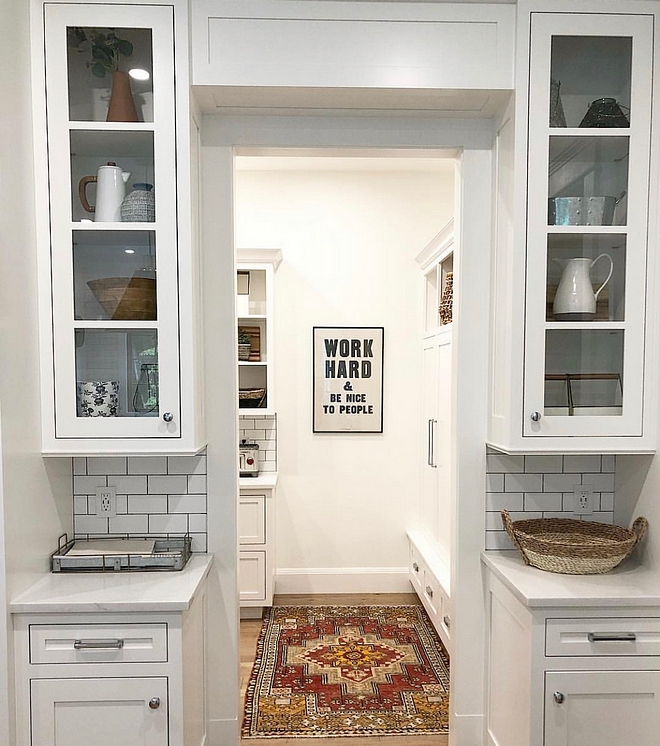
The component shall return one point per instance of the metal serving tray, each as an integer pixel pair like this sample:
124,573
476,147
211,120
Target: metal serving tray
169,553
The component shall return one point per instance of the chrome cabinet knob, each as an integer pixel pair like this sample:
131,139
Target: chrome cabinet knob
535,416
429,591
168,417
154,703
559,698
415,567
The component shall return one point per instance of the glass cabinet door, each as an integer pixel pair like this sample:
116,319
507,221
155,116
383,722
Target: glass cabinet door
111,143
589,143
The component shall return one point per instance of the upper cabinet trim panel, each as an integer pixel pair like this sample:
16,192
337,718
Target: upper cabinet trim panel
340,45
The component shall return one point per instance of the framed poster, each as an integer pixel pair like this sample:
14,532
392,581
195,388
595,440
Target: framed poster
348,379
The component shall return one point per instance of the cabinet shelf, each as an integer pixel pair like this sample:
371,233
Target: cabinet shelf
594,229
92,227
589,131
83,324
586,325
112,126
251,364
252,317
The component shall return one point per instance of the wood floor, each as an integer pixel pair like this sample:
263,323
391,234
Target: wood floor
248,643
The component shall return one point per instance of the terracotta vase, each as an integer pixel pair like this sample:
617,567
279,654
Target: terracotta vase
122,106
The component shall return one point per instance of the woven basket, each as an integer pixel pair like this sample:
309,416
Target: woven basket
251,398
445,309
126,298
573,547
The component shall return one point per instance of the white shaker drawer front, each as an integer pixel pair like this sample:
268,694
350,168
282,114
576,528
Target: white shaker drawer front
252,576
602,636
417,568
98,643
432,594
252,519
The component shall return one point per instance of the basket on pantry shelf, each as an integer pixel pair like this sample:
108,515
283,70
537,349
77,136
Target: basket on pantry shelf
573,547
445,308
251,398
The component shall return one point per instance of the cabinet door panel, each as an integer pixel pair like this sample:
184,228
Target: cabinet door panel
252,519
602,708
103,712
252,576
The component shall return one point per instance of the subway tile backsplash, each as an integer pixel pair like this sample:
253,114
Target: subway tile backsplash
541,486
263,430
156,495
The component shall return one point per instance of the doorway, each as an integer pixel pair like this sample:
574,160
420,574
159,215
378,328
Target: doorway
223,138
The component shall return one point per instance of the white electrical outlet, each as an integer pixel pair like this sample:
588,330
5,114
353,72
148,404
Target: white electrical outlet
106,501
583,501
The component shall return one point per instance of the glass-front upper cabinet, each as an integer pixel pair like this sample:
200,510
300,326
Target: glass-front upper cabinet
110,112
589,145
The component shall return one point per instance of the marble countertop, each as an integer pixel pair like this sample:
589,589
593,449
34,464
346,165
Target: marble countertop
629,584
61,593
267,479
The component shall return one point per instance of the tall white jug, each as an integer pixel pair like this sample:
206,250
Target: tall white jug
110,192
575,299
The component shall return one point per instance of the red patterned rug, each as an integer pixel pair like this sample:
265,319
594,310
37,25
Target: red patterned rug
347,671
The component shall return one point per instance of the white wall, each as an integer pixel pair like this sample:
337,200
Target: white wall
348,239
35,496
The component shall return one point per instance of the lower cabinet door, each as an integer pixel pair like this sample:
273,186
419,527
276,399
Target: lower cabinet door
102,712
252,576
602,708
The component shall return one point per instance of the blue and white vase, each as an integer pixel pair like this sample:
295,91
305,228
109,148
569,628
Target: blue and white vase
98,398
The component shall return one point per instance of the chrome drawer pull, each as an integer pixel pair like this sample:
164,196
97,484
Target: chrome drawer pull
447,621
415,567
98,644
429,591
611,637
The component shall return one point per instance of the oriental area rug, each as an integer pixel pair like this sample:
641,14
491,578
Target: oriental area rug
347,671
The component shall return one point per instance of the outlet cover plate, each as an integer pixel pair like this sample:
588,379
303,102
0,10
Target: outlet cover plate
106,501
583,501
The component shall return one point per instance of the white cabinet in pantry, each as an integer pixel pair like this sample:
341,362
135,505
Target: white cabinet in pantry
572,352
256,540
112,677
117,259
570,669
255,270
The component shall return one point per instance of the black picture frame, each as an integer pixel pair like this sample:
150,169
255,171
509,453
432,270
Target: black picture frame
347,379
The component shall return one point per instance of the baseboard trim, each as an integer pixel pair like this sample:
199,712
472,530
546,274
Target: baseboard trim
466,730
342,580
223,732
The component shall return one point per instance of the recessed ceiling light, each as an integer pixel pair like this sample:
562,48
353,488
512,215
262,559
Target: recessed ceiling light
129,251
137,73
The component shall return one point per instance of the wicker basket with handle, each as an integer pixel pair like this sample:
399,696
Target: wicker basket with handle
574,547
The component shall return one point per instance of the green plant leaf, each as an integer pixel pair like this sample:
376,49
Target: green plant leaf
98,70
102,54
124,47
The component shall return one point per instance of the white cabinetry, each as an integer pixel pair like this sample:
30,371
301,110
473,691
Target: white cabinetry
105,712
113,678
560,675
583,148
430,543
116,277
256,539
255,269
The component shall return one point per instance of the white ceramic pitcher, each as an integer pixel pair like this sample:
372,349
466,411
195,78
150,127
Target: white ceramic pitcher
110,192
575,299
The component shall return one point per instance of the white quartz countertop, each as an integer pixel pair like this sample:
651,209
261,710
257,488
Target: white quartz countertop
629,584
115,591
267,480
